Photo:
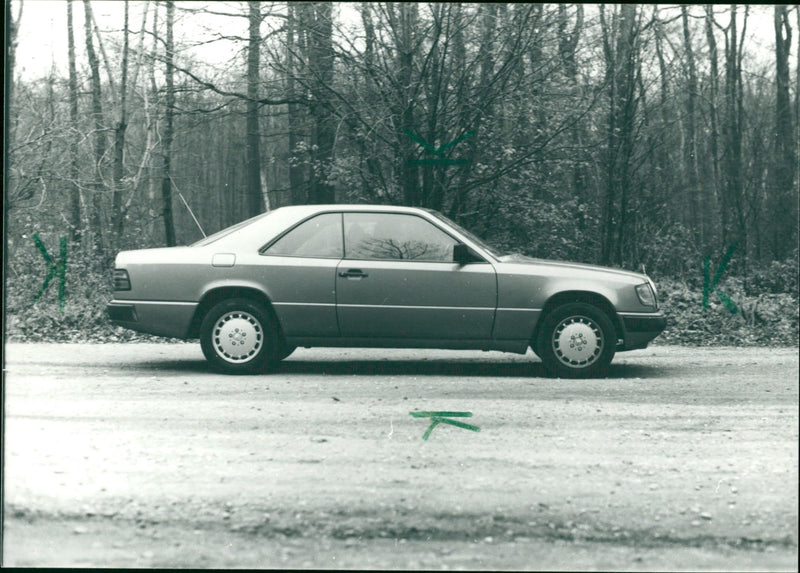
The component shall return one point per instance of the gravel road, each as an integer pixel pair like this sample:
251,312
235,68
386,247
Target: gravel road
136,455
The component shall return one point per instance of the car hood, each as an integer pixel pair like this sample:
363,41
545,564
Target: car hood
571,268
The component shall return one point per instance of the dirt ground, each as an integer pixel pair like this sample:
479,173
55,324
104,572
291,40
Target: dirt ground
137,455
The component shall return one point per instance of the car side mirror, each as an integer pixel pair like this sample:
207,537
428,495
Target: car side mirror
463,255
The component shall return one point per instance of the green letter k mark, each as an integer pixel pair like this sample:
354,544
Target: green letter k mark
707,288
53,268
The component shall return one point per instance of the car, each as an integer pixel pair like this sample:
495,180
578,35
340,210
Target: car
378,276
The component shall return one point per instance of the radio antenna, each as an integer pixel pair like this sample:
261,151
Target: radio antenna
196,222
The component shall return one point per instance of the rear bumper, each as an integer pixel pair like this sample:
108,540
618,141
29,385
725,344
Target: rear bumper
640,329
171,319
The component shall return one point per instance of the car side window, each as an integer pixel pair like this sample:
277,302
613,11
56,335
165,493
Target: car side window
319,237
390,236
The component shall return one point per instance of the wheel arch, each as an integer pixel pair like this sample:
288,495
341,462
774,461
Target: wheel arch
588,297
218,294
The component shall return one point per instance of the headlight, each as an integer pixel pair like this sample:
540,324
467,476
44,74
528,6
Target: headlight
121,280
646,295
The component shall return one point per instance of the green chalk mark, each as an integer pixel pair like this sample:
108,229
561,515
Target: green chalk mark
458,424
723,263
457,140
430,429
726,300
53,269
711,285
424,144
441,414
442,418
438,150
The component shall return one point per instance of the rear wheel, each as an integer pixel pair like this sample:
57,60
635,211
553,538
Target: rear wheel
239,336
285,351
577,340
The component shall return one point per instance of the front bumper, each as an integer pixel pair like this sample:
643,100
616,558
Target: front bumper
640,329
162,318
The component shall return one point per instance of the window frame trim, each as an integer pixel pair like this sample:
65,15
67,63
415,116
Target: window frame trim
434,223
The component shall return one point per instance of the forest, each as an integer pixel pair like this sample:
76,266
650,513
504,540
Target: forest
619,134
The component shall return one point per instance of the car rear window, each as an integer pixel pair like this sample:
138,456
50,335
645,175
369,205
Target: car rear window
228,230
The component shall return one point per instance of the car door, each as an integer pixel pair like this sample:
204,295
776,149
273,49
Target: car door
398,280
299,270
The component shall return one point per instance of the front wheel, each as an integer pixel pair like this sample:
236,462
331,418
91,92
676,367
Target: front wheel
577,340
239,336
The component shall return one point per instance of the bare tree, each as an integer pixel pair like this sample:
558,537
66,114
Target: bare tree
713,112
783,200
75,190
166,143
733,221
690,146
403,22
12,27
297,183
99,128
117,215
319,28
567,49
255,197
620,48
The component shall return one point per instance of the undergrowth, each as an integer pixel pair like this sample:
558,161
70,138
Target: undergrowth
767,308
765,319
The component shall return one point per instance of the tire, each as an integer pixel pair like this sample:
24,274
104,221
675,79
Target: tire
239,336
576,340
285,350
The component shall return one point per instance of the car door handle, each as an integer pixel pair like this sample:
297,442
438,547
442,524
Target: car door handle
353,274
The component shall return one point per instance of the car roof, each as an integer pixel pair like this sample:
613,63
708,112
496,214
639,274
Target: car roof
283,218
310,209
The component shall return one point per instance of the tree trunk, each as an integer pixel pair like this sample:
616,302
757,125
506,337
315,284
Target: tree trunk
297,184
538,64
663,181
153,118
9,124
784,201
320,61
797,105
627,48
166,181
733,136
715,196
621,68
609,204
405,55
119,144
96,185
567,48
255,197
11,52
690,147
74,188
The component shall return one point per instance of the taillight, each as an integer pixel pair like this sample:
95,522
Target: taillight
121,280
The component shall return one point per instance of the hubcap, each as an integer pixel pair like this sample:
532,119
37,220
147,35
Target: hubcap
577,341
237,337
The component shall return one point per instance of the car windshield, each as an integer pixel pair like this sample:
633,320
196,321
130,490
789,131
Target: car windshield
228,230
471,236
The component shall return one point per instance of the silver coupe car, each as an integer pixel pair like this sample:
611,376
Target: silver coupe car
378,276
